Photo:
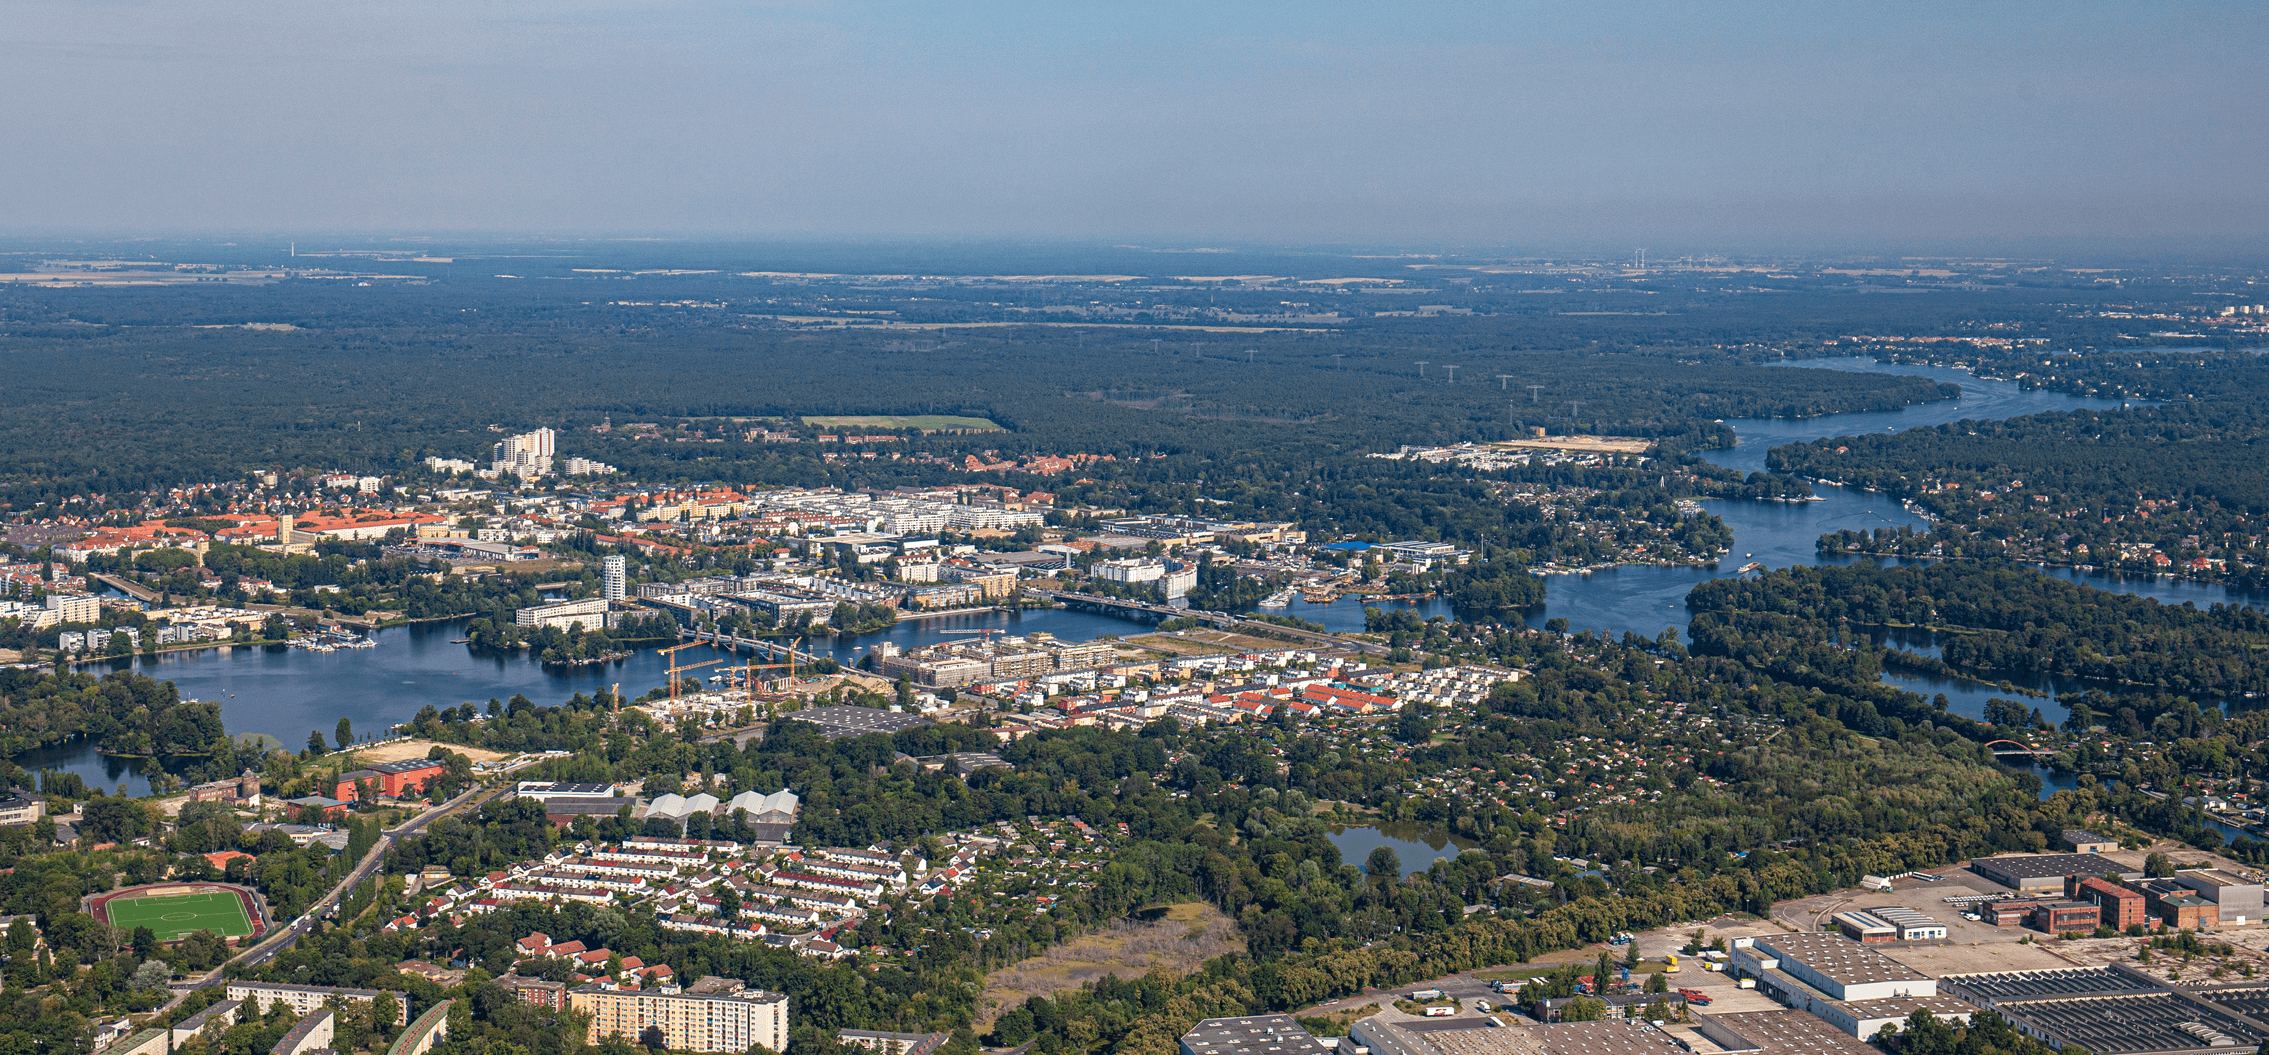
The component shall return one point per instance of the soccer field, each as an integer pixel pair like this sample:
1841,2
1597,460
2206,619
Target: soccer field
179,915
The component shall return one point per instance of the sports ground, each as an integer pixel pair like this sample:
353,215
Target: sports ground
177,910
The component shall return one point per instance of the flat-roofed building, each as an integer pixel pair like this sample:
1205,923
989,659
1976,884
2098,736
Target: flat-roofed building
711,1015
1779,1033
1250,1035
2010,913
1841,968
2087,842
261,996
1864,927
2046,873
1910,925
2237,899
590,613
1865,1018
2061,917
2176,906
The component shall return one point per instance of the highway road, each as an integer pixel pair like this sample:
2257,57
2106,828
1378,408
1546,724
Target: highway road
288,935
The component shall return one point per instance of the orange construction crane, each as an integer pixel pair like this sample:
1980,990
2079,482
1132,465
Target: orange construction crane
676,667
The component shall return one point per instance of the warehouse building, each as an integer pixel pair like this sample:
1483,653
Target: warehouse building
2046,873
1865,1018
1841,969
1251,1035
1910,925
2236,899
2173,905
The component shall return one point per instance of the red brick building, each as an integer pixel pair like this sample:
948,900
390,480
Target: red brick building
392,779
2058,917
2121,907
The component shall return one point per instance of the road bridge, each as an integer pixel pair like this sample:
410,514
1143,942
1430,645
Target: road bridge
1219,620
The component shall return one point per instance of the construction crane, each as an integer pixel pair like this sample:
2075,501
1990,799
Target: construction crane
676,667
752,667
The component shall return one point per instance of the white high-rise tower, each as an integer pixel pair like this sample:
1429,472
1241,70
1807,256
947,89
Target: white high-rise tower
614,578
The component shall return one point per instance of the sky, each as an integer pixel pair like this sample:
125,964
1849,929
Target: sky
1674,125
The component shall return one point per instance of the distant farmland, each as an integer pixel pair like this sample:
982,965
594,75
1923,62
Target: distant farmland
908,421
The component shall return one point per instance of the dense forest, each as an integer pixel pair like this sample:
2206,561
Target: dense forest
2179,486
1996,621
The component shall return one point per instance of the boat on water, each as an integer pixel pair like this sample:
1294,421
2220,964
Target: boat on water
1279,599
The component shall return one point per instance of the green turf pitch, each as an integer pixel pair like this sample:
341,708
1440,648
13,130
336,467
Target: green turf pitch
181,915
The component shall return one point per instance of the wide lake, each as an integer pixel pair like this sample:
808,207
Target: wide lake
288,693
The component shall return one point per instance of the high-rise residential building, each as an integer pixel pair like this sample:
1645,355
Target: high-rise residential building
711,1015
614,578
527,456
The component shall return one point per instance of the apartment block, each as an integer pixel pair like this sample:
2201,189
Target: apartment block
711,1015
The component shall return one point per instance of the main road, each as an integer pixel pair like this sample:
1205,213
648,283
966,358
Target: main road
284,938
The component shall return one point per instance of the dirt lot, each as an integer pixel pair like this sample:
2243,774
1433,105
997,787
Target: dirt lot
1598,444
396,752
1189,935
1232,642
1178,644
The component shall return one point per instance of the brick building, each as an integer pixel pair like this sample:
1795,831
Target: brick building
392,779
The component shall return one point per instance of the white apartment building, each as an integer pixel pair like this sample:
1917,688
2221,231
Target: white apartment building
527,456
590,613
712,1015
74,608
614,578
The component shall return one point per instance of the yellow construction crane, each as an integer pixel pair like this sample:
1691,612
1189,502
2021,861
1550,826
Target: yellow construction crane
676,667
789,665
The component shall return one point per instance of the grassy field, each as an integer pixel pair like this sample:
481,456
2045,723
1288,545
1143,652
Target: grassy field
1188,935
908,421
180,915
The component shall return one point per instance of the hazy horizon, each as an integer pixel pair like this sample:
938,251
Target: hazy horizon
1512,128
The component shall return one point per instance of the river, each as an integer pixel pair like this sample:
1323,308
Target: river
287,693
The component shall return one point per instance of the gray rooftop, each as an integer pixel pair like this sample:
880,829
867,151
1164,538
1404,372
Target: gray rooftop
1839,958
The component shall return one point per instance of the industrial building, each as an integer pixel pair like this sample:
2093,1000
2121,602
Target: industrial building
1251,1035
2061,917
2236,899
1829,964
2046,873
2086,842
2171,904
393,779
1888,923
1865,1018
1912,925
2120,1010
1780,1033
2121,907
